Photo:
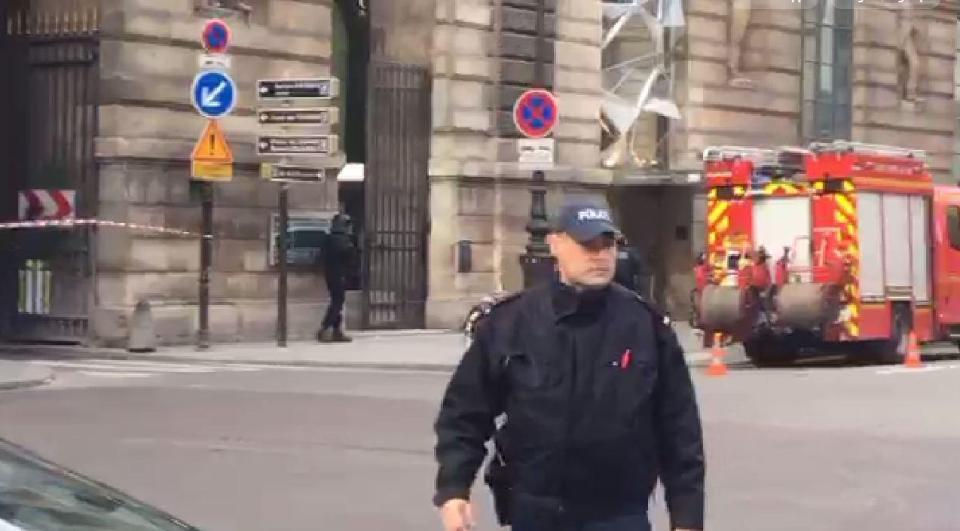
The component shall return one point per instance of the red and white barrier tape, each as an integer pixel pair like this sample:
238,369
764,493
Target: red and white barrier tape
69,223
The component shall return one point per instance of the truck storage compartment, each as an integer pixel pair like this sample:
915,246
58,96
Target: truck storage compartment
894,245
780,222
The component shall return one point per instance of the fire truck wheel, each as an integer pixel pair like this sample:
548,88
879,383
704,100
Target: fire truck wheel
769,351
894,350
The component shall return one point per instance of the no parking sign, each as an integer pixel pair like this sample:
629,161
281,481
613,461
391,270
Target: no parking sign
535,113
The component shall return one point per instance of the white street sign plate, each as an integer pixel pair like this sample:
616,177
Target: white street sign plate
536,152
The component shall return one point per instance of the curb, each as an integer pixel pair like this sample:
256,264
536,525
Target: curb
28,383
113,354
694,359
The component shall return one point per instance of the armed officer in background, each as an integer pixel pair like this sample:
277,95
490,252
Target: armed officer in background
631,271
339,256
597,397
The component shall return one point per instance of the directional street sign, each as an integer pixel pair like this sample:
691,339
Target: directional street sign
320,116
320,88
304,145
212,158
535,113
214,94
216,36
301,174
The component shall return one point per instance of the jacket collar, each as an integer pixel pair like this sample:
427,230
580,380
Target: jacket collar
567,300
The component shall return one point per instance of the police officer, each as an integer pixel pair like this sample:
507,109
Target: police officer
597,398
631,271
338,257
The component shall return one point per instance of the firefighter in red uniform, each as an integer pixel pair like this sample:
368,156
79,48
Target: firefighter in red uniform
703,272
760,282
782,271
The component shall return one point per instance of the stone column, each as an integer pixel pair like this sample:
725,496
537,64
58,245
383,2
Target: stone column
485,57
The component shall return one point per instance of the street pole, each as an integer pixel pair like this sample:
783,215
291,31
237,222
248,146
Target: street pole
206,259
537,263
282,266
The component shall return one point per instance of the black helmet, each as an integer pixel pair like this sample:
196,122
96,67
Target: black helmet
341,223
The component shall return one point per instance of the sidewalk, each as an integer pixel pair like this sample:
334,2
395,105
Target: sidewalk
414,349
17,375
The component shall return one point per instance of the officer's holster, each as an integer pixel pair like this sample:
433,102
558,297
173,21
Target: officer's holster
498,477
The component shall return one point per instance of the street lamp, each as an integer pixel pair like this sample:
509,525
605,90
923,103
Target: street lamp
537,263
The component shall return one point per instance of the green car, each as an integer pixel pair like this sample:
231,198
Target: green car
36,495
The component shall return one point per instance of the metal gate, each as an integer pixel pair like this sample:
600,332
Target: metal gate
50,93
396,196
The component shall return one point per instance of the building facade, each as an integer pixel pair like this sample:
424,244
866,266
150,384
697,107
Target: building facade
100,100
763,74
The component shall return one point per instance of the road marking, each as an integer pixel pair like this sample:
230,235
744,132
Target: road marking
102,374
919,370
123,366
119,368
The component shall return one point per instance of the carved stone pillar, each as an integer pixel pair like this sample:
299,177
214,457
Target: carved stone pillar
907,38
740,11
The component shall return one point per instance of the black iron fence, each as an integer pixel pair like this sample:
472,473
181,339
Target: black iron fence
50,60
397,197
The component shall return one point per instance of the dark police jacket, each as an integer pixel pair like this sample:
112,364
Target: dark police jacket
598,400
339,254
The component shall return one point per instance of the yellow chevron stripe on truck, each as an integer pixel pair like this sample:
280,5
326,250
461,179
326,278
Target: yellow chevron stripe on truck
846,217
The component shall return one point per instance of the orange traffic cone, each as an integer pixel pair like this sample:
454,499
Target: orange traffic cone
717,367
913,360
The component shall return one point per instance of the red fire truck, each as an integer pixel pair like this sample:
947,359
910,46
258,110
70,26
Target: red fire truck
837,248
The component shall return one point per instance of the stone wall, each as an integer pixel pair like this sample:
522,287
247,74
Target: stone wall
483,59
767,111
147,132
880,114
714,112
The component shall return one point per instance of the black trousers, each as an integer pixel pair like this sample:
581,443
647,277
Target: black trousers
336,285
632,522
530,515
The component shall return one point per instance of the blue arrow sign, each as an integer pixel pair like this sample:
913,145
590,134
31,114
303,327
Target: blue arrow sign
214,94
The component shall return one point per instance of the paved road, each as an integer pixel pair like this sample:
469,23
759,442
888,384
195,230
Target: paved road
249,447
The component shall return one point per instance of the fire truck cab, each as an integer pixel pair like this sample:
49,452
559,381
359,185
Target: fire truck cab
837,247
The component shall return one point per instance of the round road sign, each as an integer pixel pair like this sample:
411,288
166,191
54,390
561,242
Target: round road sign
216,36
214,94
536,113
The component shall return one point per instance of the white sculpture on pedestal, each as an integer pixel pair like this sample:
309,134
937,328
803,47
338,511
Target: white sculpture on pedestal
640,84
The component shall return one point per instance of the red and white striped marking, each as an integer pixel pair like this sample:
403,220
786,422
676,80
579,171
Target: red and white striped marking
47,204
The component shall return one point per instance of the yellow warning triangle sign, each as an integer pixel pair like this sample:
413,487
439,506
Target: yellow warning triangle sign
212,146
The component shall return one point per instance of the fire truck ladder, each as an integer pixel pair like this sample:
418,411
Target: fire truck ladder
756,155
868,149
785,160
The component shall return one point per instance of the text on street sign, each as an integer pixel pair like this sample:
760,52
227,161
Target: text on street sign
297,145
296,174
319,116
307,88
209,61
211,171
